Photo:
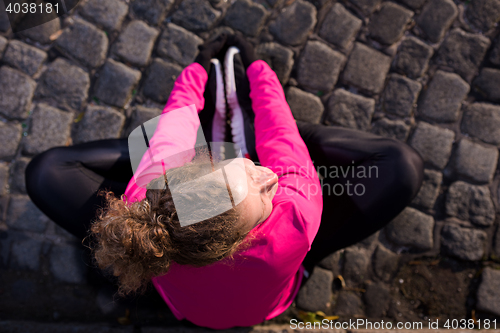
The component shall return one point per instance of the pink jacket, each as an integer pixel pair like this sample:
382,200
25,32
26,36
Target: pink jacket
263,280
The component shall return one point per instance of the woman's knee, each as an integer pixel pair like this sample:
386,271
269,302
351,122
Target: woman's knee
42,168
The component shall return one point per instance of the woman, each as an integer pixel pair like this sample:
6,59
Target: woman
246,264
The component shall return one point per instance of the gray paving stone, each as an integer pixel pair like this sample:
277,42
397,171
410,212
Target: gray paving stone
414,4
246,16
25,254
135,43
116,83
412,228
50,127
476,161
4,18
319,66
495,52
108,14
348,304
84,42
366,6
3,45
67,265
340,27
443,98
470,203
400,94
433,143
355,266
41,33
160,80
99,123
377,297
331,262
488,294
487,84
151,11
63,84
10,136
483,14
482,120
315,294
305,106
4,177
17,170
294,23
178,44
349,110
16,93
279,58
367,68
436,17
22,214
389,23
140,115
413,57
496,245
24,57
385,263
428,193
463,52
396,129
463,243
196,15
4,204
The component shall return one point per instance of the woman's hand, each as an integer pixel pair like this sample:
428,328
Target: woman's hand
209,49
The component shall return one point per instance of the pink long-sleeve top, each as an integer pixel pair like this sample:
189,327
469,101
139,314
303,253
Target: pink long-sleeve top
262,281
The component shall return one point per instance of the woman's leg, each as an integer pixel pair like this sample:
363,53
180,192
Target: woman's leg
387,176
64,182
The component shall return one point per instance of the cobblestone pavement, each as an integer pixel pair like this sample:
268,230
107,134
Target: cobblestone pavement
426,72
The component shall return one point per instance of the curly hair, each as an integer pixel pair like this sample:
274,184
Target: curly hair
138,241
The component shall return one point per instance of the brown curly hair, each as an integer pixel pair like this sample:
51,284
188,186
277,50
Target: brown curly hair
139,240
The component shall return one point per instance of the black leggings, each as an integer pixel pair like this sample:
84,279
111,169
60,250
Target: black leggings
63,182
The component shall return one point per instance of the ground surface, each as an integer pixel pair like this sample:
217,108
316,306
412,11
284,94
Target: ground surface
424,72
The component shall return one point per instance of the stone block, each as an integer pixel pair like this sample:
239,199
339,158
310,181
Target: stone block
178,44
22,214
294,23
151,11
3,45
279,58
396,129
389,23
99,123
196,15
116,83
496,245
25,254
349,110
433,143
475,161
385,263
463,52
4,18
4,177
41,33
436,17
349,304
443,98
483,14
367,68
414,4
84,42
319,66
64,84
305,106
135,43
495,52
10,136
428,193
17,171
315,294
413,57
67,265
140,115
400,94
487,83
366,6
470,203
24,57
160,80
377,297
463,243
488,294
16,93
482,120
356,266
331,262
412,228
50,127
107,14
246,16
340,27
